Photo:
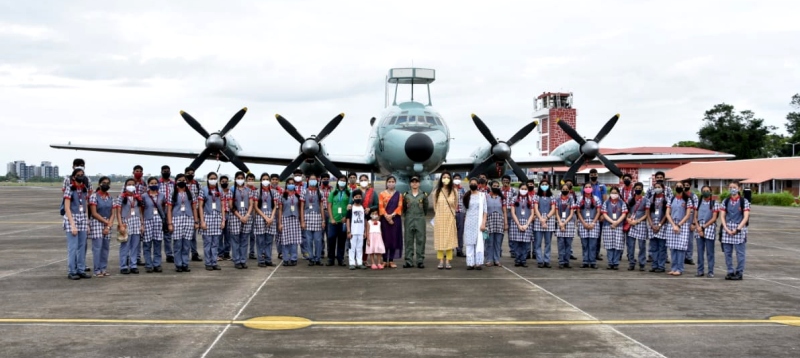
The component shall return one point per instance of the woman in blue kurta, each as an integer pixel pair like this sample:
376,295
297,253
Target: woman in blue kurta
76,224
614,212
678,234
101,208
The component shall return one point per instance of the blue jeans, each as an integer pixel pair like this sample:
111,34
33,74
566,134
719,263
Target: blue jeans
522,248
589,249
152,253
460,230
210,246
547,237
493,247
264,244
224,245
677,260
630,244
100,254
76,252
658,249
564,249
239,248
337,235
740,255
690,248
127,252
614,256
705,249
313,245
181,250
512,245
168,243
252,244
193,242
289,252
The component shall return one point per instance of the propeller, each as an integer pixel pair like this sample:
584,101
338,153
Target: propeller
216,144
590,148
500,150
310,147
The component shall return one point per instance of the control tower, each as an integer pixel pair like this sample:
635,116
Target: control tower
547,107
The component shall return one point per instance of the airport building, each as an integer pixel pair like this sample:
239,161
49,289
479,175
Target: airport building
767,175
21,170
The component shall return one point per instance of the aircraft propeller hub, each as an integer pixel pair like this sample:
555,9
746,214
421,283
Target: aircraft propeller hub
501,151
215,141
590,148
310,147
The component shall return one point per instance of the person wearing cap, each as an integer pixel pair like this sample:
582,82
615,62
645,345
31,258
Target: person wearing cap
460,212
415,208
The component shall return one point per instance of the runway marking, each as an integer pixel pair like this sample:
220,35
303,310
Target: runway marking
282,323
30,222
24,230
233,321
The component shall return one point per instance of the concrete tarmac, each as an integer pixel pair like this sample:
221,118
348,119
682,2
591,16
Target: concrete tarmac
334,312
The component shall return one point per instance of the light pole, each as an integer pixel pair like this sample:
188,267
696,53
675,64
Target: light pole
792,144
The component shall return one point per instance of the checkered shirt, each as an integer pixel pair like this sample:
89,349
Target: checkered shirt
291,233
639,210
313,220
81,219
96,227
153,229
495,222
677,240
565,207
259,224
551,222
710,232
182,227
133,222
741,237
508,197
614,238
194,188
213,220
68,183
461,191
582,231
165,187
514,233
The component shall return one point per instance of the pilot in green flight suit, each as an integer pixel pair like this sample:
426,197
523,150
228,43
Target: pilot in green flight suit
415,208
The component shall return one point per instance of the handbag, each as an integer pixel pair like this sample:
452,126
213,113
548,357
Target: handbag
122,236
164,224
627,226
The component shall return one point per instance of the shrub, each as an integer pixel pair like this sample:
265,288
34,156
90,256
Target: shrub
770,199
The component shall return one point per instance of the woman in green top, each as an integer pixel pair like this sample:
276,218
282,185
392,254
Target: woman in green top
338,200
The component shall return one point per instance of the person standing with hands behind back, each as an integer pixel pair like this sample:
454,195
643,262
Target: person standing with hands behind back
415,208
599,191
337,232
356,230
76,224
735,214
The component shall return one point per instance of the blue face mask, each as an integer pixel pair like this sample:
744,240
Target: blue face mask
154,187
341,184
544,187
290,187
312,182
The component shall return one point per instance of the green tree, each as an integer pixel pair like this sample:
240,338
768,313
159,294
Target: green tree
793,125
775,146
740,134
687,143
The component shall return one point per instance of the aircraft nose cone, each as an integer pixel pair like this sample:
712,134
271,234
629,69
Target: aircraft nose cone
590,149
310,147
214,141
419,147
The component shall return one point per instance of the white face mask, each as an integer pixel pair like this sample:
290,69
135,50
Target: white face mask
298,179
265,182
76,168
457,181
364,184
239,182
130,188
614,196
212,182
341,184
523,192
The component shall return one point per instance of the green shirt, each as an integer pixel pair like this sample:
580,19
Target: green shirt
338,200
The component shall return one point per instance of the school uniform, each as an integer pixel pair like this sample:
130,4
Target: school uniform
252,236
705,243
312,211
734,215
588,208
165,187
523,209
265,234
357,219
638,233
131,213
495,225
182,207
141,189
657,207
461,213
213,207
599,190
543,233
154,218
565,213
104,206
291,234
224,245
614,238
194,188
692,235
76,244
678,242
240,231
509,196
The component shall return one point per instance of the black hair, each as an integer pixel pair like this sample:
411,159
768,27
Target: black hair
660,173
297,171
149,179
78,162
351,174
441,185
274,176
627,175
530,181
238,174
592,171
325,175
223,177
188,169
456,175
592,202
85,180
216,187
286,192
541,192
165,167
632,202
684,193
175,190
506,177
137,166
653,200
103,178
363,176
358,192
468,194
261,190
125,197
250,175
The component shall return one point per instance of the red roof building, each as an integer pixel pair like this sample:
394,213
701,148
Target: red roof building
768,175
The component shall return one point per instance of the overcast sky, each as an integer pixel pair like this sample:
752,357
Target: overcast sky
118,72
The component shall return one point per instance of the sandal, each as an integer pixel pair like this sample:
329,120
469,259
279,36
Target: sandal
106,274
392,265
448,266
498,264
488,264
441,266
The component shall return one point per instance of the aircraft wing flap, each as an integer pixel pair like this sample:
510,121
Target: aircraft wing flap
160,152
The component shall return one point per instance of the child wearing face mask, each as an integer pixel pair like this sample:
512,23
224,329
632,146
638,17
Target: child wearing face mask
656,218
338,200
614,212
545,223
638,230
129,215
375,248
291,220
705,222
154,219
565,225
355,230
677,234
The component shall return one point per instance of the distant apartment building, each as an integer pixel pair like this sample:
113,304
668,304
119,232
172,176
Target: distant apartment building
21,170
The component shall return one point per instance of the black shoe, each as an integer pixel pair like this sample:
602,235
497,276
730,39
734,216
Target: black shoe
599,258
667,261
170,259
421,265
517,264
179,269
294,263
460,254
688,262
470,268
560,266
585,266
593,266
209,268
641,268
88,269
539,265
269,263
84,275
148,269
341,263
729,276
319,263
216,267
631,267
738,276
157,269
407,265
186,269
252,256
610,267
196,258
616,267
237,266
280,256
74,277
567,266
660,270
330,263
139,262
572,257
286,263
312,263
547,265
135,271
653,270
699,274
649,258
124,271
478,267
524,264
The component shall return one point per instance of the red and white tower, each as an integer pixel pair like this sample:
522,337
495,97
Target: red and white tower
548,107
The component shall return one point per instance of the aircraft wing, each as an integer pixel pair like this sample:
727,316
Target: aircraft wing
467,164
354,163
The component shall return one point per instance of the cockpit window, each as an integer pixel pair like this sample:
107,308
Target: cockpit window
393,119
430,120
401,119
438,120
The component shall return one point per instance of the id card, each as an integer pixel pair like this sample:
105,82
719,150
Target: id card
291,208
213,206
133,212
588,214
155,211
614,216
80,208
656,212
523,212
564,215
340,210
183,207
264,207
241,204
310,207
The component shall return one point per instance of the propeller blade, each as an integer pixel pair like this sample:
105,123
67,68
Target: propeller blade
522,133
330,127
292,166
574,168
201,158
234,159
233,122
484,130
480,167
194,124
610,165
606,128
329,166
570,131
517,170
290,128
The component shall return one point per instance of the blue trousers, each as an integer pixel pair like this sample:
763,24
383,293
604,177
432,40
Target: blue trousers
740,255
305,245
690,248
264,244
252,244
630,244
599,239
152,253
289,252
589,249
705,250
224,245
337,235
100,248
512,245
521,254
128,251
313,242
210,246
614,256
460,230
167,243
564,249
181,250
193,242
76,252
677,260
547,238
239,247
493,247
658,250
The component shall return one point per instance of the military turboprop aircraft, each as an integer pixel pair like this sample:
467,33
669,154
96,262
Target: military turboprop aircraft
410,138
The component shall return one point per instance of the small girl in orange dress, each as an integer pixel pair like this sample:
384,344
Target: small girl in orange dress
375,248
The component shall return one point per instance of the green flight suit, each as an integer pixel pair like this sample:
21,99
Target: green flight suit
415,208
